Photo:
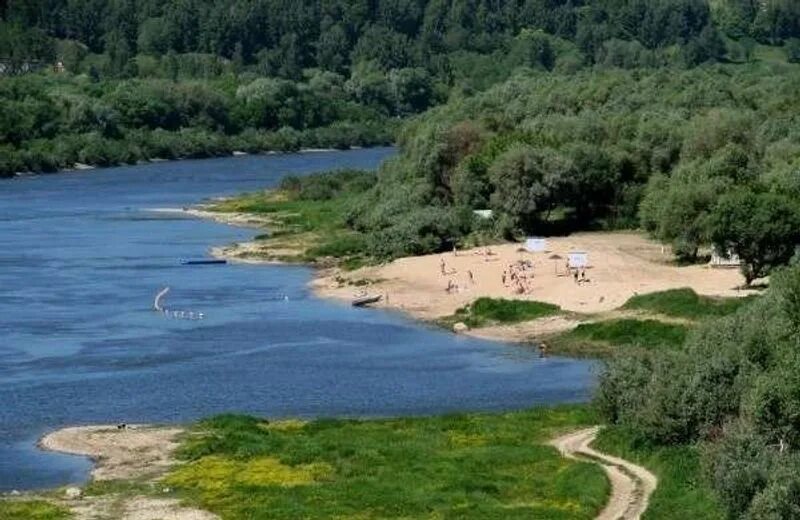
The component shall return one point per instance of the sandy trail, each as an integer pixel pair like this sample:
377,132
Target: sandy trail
138,453
631,485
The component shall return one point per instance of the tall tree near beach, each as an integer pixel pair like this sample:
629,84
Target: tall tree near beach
763,229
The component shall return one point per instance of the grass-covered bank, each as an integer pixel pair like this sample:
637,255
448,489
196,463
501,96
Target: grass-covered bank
307,218
655,321
32,510
604,338
685,303
453,466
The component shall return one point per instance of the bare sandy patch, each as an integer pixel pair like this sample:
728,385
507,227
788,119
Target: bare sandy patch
136,453
622,265
132,453
145,508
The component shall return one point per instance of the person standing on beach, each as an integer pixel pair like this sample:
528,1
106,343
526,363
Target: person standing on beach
442,267
471,276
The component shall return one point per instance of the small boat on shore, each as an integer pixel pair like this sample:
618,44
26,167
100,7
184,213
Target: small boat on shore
361,301
204,261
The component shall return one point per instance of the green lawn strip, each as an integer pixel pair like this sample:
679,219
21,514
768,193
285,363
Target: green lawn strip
685,303
484,312
605,337
31,510
681,492
456,466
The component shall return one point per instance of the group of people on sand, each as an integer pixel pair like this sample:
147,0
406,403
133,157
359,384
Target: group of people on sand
519,277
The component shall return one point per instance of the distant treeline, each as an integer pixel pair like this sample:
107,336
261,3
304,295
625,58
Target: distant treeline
123,80
49,122
284,37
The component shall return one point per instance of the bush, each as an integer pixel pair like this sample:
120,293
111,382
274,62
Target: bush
685,303
484,311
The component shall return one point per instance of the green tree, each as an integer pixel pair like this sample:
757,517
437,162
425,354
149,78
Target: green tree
763,229
526,183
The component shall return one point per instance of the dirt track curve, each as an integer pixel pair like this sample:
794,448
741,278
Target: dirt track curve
631,485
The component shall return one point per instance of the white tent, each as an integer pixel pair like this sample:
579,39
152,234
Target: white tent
536,244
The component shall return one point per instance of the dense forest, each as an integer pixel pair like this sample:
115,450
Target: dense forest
699,157
109,82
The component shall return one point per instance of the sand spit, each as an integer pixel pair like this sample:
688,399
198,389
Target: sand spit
140,453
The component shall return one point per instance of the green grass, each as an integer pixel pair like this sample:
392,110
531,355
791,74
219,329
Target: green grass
302,230
31,510
685,303
477,466
491,311
682,492
605,337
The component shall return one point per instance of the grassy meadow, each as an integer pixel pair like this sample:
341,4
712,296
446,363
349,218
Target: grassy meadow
478,466
31,510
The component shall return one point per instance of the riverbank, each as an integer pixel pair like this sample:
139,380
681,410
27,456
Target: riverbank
126,483
84,167
474,465
622,265
543,462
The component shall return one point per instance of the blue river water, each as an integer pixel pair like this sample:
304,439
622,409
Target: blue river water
81,258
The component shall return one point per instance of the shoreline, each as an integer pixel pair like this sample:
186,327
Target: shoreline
84,167
622,264
140,454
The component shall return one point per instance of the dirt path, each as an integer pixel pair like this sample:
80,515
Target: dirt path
631,485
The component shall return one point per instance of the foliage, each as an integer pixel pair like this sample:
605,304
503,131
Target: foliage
733,388
487,311
763,229
469,466
557,152
307,216
235,68
685,303
624,333
31,510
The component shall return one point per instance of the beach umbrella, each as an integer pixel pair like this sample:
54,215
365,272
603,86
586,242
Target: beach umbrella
555,258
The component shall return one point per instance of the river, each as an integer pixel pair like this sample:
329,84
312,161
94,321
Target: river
81,257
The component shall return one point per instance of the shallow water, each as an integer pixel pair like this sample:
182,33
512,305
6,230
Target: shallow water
81,258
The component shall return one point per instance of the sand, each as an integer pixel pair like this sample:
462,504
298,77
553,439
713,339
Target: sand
621,265
135,452
631,485
139,453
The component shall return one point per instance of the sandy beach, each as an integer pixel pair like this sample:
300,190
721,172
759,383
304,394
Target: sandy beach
620,265
139,453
